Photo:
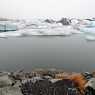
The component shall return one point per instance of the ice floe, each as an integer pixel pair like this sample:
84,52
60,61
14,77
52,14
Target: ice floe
49,27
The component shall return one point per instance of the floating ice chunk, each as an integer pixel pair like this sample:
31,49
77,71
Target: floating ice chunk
13,34
72,30
85,22
91,24
10,34
31,32
30,28
49,32
76,32
2,35
89,33
90,38
88,30
59,31
74,21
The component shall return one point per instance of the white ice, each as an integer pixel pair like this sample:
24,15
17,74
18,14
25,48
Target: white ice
40,28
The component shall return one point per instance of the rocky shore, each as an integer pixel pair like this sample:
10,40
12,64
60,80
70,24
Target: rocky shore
40,82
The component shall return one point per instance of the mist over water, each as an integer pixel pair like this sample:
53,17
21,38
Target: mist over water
69,53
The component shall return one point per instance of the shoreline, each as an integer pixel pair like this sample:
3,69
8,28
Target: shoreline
11,82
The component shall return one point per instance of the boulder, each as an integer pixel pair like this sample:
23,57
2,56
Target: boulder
5,81
35,86
65,87
90,87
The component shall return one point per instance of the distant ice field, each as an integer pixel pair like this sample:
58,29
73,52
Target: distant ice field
41,28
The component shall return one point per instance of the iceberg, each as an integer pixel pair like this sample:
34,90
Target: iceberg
88,30
90,37
39,28
48,27
89,33
91,24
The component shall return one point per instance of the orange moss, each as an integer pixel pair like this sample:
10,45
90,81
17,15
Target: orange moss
76,77
80,81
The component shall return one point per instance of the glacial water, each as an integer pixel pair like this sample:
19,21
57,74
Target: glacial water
72,53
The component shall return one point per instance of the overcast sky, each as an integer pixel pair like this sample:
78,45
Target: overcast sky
47,8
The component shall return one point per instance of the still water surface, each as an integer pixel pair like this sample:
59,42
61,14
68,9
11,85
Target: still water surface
71,53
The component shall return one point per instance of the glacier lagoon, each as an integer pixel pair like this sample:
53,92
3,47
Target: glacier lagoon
45,45
72,53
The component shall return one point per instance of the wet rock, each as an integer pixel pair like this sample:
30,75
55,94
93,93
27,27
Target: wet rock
42,87
90,87
65,87
89,91
38,87
49,87
87,75
91,83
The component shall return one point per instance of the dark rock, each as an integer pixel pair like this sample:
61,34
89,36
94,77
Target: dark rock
87,75
65,87
27,88
49,21
64,21
92,19
89,91
47,87
40,87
